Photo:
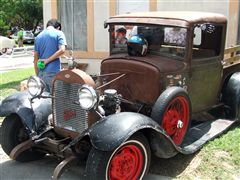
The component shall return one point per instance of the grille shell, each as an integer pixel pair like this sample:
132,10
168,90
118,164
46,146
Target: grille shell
66,111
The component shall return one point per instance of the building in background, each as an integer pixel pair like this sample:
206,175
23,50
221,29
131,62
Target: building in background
83,20
238,41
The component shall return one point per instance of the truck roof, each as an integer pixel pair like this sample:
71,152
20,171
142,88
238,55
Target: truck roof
173,18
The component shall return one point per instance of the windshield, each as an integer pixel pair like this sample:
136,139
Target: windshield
161,40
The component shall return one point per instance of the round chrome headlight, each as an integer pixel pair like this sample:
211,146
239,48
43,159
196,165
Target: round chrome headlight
87,97
35,86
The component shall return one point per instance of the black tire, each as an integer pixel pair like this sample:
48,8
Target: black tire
4,50
13,133
231,96
100,163
172,111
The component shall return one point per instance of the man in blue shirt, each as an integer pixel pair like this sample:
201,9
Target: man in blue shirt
49,45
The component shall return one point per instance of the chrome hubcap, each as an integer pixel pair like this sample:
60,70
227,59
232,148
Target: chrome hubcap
179,124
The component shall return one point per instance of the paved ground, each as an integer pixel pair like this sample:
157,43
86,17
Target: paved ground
43,169
9,63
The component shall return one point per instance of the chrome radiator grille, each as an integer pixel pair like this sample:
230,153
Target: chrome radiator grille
67,113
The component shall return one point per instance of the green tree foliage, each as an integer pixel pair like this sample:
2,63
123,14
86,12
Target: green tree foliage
3,24
25,14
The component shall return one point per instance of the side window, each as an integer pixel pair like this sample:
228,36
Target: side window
207,41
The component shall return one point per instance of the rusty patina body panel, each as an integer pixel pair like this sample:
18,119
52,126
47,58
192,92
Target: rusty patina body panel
145,76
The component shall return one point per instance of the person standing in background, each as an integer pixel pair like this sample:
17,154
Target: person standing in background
20,37
49,45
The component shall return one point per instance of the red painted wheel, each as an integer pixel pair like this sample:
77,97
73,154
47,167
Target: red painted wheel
176,119
129,161
126,163
172,111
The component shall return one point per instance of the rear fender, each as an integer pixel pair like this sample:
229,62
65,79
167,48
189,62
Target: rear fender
231,95
111,132
33,115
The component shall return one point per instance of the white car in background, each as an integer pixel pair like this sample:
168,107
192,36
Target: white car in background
6,44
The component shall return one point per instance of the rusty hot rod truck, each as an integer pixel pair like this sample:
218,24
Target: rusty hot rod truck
163,90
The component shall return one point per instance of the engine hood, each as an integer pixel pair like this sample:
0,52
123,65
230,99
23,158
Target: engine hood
163,64
143,76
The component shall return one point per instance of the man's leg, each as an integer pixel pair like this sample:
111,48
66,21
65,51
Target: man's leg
48,78
42,76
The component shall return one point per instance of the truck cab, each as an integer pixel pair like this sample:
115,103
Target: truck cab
183,49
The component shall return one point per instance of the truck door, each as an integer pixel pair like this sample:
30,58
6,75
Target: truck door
206,67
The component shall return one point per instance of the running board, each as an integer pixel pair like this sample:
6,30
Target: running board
198,135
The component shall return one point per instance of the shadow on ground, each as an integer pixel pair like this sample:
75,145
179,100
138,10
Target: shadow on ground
42,169
171,167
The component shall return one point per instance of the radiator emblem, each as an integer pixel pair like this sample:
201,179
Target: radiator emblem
67,76
69,114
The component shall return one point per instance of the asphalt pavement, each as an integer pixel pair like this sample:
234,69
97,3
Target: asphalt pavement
43,170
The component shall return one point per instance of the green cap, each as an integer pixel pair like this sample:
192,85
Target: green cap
40,64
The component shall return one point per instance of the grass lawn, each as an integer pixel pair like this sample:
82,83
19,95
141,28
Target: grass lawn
10,82
218,159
